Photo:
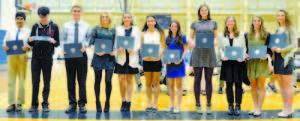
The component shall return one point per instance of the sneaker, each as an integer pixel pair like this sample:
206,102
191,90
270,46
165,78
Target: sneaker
199,110
170,109
176,110
208,109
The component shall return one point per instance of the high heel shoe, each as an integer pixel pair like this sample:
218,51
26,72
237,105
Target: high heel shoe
107,106
123,106
98,106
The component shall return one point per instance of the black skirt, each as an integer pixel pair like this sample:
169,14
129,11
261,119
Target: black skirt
234,71
279,67
152,66
126,68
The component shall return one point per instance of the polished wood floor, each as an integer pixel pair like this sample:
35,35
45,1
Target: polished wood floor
59,101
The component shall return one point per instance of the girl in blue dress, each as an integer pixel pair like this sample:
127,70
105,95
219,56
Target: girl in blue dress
176,71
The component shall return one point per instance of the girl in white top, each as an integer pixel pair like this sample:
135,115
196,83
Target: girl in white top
153,34
127,60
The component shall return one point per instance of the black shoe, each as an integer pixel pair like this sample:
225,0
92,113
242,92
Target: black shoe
237,110
98,106
184,92
257,115
191,74
123,106
230,110
139,87
273,88
82,109
46,109
33,109
128,106
11,108
71,109
107,105
19,107
220,91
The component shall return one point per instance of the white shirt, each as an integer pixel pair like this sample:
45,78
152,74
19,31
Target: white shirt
68,34
12,34
152,37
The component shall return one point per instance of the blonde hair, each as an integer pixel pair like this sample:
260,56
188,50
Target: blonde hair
109,19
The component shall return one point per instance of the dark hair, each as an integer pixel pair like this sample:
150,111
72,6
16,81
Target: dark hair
157,25
76,6
199,13
44,11
178,38
235,29
21,14
131,23
288,22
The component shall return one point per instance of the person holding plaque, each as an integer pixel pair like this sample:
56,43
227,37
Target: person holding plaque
76,31
127,60
233,72
42,56
17,64
284,62
153,34
103,61
203,58
258,69
176,71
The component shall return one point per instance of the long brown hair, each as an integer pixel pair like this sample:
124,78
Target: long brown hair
263,34
235,29
288,22
199,13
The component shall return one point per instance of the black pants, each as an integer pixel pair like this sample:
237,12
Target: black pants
108,86
38,65
77,66
238,93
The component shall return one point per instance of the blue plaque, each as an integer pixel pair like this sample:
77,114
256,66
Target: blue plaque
73,50
204,40
125,42
171,56
234,53
278,40
150,50
15,47
104,45
257,52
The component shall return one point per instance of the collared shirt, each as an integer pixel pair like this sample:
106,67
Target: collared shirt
11,35
84,32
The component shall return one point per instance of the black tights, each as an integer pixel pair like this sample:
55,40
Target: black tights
108,86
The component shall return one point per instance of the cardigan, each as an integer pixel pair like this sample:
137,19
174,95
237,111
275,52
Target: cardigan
121,55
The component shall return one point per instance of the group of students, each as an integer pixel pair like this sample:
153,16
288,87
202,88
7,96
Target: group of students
125,62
